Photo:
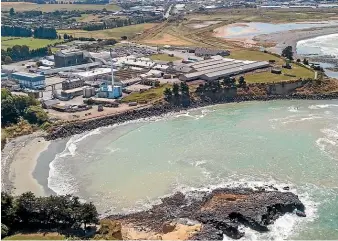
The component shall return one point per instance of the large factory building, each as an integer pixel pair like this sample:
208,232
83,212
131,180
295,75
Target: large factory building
29,80
219,67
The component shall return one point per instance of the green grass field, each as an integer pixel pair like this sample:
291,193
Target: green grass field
163,57
25,6
129,31
148,95
32,43
265,77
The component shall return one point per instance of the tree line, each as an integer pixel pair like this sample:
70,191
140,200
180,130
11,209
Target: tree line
226,83
32,213
121,23
22,52
179,94
40,32
15,107
15,31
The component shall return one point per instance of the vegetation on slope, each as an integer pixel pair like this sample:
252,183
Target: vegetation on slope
29,213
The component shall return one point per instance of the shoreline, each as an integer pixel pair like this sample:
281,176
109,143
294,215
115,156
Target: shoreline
291,37
79,127
19,162
42,169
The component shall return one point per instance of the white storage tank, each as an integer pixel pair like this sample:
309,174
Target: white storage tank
88,92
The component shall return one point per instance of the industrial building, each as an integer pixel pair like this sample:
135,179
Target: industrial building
110,92
219,67
29,80
72,83
93,74
71,68
205,52
72,92
64,58
135,62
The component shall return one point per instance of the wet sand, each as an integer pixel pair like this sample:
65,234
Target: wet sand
19,159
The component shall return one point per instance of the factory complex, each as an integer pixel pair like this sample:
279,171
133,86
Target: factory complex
106,76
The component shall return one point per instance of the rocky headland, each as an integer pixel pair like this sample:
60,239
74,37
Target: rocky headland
208,215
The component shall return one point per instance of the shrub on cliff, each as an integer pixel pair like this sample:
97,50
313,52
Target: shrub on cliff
4,230
35,115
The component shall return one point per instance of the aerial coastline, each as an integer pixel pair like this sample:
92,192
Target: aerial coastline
177,121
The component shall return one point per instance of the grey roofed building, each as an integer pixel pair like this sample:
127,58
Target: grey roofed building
65,58
47,104
213,69
211,52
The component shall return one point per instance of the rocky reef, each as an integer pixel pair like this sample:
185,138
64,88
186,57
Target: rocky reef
209,215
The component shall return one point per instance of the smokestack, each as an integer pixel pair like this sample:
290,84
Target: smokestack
112,56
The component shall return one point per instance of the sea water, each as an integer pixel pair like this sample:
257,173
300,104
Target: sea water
129,167
322,46
326,45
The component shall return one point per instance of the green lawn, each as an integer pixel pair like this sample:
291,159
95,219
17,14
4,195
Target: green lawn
264,77
129,31
163,57
245,54
32,43
148,95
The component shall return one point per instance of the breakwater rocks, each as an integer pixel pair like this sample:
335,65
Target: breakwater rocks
73,128
209,215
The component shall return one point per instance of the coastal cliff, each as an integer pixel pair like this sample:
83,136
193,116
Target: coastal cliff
73,128
209,215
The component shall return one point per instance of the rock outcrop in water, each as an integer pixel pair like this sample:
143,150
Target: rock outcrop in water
205,215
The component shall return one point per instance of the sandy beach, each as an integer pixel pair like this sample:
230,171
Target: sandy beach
19,159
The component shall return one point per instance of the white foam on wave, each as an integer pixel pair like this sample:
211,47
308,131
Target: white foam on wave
60,180
295,118
328,144
322,45
293,109
316,107
284,226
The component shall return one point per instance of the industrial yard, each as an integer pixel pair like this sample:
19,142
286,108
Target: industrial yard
75,84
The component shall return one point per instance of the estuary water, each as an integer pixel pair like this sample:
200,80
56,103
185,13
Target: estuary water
129,167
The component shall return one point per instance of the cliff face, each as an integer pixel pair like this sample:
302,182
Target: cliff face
210,215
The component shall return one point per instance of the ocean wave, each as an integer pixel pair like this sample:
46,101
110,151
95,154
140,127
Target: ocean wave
284,226
323,45
60,178
316,107
293,109
328,143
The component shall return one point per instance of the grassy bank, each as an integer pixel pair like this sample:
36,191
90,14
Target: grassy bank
266,77
116,33
146,96
32,43
26,6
